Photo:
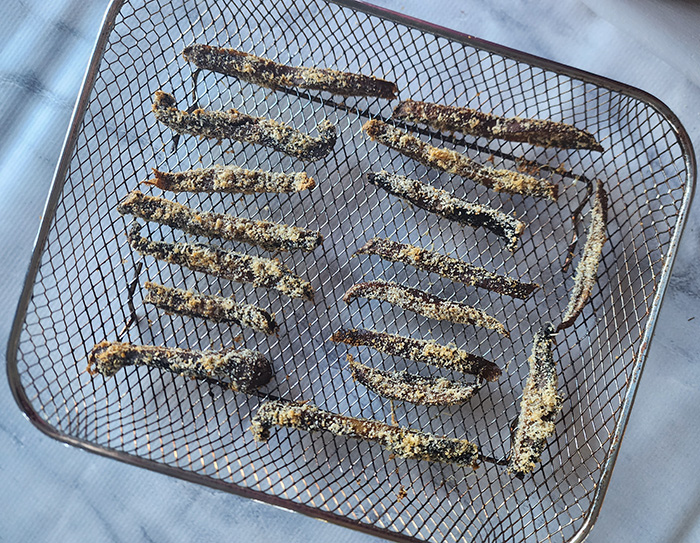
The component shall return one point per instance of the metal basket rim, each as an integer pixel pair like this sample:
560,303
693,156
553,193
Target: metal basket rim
59,179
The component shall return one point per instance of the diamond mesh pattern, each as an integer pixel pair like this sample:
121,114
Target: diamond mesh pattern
81,290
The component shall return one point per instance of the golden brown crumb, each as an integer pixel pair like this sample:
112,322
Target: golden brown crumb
456,163
241,369
539,406
401,441
264,72
587,269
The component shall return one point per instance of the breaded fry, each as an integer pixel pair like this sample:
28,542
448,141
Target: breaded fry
213,308
401,441
408,387
239,267
267,73
420,350
234,125
587,269
456,163
445,266
230,179
445,205
265,234
539,406
423,303
240,370
541,132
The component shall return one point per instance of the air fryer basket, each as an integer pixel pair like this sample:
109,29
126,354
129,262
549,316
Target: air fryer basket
85,284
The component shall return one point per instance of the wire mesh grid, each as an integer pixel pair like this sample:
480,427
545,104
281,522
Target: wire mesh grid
80,292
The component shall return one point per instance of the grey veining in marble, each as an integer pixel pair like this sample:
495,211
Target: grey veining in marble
52,492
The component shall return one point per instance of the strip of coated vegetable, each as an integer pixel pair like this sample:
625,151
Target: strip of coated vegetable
239,267
539,406
213,308
230,179
268,235
401,441
234,125
442,203
586,274
423,303
241,369
540,132
267,73
445,266
408,387
456,163
420,350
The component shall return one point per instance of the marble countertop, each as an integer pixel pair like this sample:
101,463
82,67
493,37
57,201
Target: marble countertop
54,492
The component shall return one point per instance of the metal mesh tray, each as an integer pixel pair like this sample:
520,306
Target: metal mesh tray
77,291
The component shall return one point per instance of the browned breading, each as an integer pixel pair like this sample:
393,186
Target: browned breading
401,441
445,266
231,265
267,73
213,308
241,369
456,163
541,132
230,179
265,234
539,406
235,125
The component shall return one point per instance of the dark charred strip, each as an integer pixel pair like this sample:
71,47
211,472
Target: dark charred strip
587,268
230,179
213,308
401,441
445,205
242,369
267,235
419,350
267,73
445,266
423,303
234,125
540,132
455,163
539,406
408,387
239,267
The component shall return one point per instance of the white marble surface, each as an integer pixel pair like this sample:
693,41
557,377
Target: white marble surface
53,492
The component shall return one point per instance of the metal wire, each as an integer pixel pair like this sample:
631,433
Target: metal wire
82,289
